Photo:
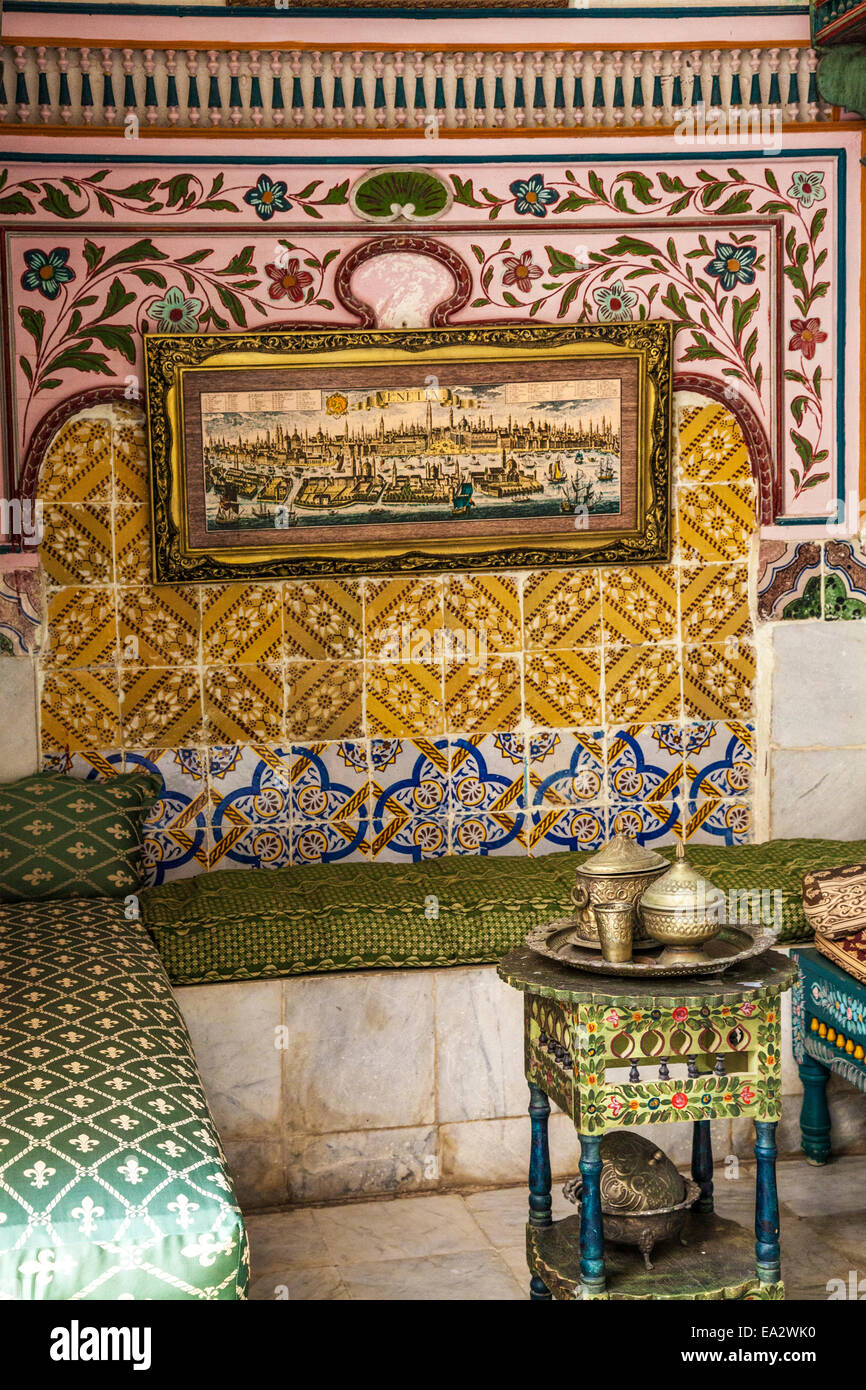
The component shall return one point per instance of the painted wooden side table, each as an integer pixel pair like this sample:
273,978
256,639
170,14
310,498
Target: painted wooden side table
713,1045
829,1035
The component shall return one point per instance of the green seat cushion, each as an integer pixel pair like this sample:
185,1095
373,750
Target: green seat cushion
248,924
112,1180
61,837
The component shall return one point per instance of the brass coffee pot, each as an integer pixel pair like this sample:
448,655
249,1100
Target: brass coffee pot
620,872
683,911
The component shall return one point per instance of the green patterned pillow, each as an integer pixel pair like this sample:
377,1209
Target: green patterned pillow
61,837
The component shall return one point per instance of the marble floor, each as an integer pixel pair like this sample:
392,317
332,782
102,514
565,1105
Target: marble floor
470,1246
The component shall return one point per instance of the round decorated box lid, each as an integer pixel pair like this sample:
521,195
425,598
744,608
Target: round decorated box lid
683,890
622,855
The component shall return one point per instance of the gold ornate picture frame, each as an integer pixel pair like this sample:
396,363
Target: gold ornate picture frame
362,451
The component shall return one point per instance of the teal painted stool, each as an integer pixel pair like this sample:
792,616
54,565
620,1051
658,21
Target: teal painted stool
829,1035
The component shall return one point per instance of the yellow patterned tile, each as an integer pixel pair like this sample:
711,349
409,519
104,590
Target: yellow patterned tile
482,614
715,603
82,628
132,545
404,697
77,467
562,608
402,619
642,684
718,680
481,697
161,708
80,710
241,623
563,688
324,699
640,604
323,619
243,704
159,626
711,445
130,455
716,523
76,544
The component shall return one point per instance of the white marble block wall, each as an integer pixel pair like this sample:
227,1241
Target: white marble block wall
818,731
335,1086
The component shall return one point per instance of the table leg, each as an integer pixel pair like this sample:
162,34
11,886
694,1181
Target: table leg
591,1228
814,1115
767,1254
702,1165
540,1201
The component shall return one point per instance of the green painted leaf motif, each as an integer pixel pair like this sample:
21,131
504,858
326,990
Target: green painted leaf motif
418,195
336,195
641,189
143,250
464,192
116,299
15,205
57,202
115,337
33,320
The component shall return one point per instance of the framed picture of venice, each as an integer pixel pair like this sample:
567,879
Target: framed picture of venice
356,451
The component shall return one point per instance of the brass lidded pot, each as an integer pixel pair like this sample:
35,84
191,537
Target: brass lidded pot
682,910
619,872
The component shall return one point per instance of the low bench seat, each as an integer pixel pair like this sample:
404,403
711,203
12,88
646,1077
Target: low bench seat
112,1180
249,924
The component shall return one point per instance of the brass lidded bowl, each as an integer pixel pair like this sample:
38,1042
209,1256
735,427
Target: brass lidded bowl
619,872
643,1197
682,910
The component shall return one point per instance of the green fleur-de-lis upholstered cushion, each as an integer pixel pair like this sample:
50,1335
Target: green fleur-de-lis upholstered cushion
112,1180
61,837
247,924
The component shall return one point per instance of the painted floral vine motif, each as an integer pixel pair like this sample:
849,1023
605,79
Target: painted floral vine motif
715,315
71,197
105,311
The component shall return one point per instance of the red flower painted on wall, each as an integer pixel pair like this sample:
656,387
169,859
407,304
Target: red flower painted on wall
520,271
679,1100
288,279
806,336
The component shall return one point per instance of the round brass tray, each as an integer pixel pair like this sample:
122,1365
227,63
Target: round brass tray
732,945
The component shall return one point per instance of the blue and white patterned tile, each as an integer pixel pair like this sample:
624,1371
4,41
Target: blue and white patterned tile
250,807
566,768
648,822
409,839
326,842
251,780
488,834
176,829
719,823
579,828
720,760
487,773
237,843
645,761
410,778
330,781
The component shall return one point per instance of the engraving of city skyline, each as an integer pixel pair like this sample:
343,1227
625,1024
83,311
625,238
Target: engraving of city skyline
513,449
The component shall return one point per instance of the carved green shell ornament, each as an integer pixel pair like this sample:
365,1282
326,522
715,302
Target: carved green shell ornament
402,193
